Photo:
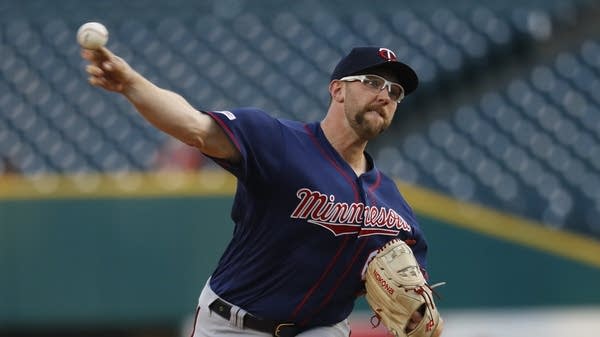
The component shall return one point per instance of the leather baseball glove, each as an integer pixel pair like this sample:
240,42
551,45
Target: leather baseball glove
399,295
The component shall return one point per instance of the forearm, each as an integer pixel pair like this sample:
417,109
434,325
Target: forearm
166,110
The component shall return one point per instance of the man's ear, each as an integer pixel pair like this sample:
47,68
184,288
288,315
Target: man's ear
336,90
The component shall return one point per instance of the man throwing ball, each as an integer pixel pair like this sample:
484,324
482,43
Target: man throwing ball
311,209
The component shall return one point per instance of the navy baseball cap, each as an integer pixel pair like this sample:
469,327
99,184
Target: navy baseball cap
362,59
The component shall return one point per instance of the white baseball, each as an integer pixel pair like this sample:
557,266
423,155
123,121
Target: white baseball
92,35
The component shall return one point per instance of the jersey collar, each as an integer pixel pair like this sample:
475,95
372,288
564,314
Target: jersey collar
371,173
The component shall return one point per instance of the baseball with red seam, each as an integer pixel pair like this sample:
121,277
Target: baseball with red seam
92,35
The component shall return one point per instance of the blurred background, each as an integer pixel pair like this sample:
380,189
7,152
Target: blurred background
110,228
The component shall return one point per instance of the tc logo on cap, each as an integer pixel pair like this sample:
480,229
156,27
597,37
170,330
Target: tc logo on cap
387,54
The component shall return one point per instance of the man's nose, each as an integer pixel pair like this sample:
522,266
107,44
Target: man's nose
384,94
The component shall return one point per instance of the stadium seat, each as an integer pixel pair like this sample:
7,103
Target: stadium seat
496,30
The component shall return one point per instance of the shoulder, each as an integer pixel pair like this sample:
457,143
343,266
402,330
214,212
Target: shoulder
259,123
252,114
237,113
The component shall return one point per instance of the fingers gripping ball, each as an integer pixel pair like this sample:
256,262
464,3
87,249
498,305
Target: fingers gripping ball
398,293
92,35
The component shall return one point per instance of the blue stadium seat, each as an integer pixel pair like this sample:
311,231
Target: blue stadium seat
406,24
142,153
492,26
28,161
390,159
532,23
174,32
376,30
447,57
590,53
573,106
66,158
336,32
57,33
434,168
250,29
417,149
8,138
457,31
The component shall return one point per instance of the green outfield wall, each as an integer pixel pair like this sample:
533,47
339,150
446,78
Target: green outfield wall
129,258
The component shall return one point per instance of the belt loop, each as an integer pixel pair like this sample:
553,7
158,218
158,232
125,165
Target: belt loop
233,316
237,317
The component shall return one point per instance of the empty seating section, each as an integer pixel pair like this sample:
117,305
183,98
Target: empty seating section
531,147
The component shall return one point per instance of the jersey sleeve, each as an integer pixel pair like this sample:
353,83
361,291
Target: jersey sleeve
420,248
258,137
419,244
417,237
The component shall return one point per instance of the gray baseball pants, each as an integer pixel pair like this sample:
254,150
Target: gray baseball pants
210,324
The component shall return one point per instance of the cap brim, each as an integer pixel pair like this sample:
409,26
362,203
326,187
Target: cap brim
405,74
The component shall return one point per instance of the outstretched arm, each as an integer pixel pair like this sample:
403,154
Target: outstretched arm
165,109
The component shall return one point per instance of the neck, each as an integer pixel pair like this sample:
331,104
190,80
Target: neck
346,142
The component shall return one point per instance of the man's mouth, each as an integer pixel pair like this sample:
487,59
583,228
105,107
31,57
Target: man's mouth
377,111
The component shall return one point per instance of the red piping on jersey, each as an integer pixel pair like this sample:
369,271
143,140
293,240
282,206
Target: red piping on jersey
376,183
333,163
373,188
322,278
338,282
352,183
195,321
226,129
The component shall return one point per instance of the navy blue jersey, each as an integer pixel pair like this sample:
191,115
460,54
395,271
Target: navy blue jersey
305,224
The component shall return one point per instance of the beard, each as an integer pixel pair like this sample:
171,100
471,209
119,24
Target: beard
366,128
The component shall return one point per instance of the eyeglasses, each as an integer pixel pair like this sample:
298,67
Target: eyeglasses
395,90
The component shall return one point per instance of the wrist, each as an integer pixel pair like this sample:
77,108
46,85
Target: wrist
133,85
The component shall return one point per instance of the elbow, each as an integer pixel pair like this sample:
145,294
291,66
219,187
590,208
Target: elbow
194,140
190,136
194,131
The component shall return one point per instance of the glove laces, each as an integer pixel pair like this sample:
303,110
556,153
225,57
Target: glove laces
421,291
376,319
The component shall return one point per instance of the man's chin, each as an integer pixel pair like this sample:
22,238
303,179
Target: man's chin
375,123
371,124
372,131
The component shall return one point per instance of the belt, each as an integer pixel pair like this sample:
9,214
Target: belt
223,309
